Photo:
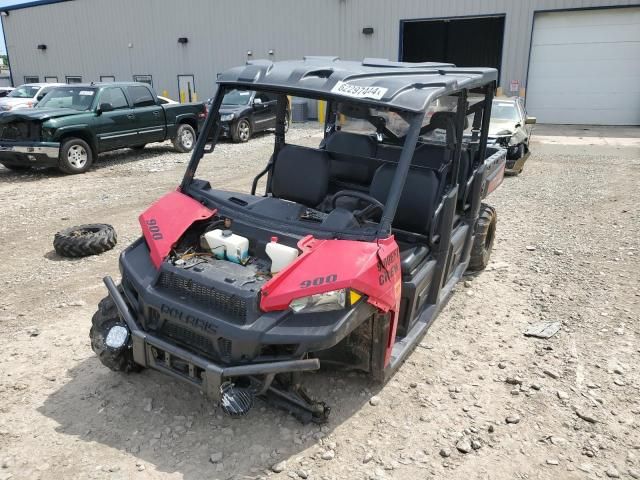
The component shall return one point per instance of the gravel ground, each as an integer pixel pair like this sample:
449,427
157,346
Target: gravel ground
477,399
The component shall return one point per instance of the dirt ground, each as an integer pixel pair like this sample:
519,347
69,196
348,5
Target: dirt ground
567,250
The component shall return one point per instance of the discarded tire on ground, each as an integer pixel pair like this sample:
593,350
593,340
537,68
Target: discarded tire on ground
85,240
484,238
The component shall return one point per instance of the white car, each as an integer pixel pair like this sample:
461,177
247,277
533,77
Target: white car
4,91
511,128
165,100
26,96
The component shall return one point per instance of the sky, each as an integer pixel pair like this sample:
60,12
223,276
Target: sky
7,3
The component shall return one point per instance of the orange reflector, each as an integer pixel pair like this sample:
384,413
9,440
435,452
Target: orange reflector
354,297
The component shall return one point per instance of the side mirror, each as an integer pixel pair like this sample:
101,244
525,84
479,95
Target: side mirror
530,120
257,103
105,107
40,97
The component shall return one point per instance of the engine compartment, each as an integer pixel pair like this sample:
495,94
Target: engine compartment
220,262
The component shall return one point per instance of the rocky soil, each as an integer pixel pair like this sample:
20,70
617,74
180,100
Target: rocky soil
477,399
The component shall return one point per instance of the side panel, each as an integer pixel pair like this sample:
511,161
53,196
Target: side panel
164,222
324,265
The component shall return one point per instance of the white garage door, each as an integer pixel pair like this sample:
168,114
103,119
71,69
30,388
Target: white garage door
585,67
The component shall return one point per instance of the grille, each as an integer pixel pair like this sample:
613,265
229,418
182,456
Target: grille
229,305
189,339
19,131
224,346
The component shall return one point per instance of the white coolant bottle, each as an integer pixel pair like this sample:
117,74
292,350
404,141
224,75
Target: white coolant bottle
224,244
280,255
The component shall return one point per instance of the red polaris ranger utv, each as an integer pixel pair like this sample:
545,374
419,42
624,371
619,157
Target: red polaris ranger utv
345,258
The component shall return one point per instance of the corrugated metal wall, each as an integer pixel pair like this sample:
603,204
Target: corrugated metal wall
123,38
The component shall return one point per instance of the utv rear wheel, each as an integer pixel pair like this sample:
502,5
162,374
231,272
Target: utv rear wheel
242,131
116,359
185,138
484,238
85,240
76,156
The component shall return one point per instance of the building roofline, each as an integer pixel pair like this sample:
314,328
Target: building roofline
33,3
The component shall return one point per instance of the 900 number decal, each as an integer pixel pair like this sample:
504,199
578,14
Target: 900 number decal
316,282
154,229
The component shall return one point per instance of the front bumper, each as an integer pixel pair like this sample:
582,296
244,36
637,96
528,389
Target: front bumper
29,153
213,341
153,352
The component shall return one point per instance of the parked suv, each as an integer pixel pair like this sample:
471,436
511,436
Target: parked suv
72,124
26,96
245,112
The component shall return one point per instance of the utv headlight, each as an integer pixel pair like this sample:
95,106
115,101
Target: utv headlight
226,117
325,302
321,302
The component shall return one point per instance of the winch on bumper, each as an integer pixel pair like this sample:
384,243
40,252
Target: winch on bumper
29,153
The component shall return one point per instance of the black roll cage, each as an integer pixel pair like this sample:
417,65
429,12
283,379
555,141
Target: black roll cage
477,143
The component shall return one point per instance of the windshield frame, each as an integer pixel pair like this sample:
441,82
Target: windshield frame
213,126
42,103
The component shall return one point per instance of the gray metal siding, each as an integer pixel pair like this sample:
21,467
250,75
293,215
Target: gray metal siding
91,37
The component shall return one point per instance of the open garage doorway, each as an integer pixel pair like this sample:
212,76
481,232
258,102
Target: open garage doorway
466,42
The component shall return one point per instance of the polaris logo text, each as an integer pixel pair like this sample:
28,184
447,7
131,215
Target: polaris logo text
188,319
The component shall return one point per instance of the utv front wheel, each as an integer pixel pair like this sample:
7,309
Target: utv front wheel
484,238
106,318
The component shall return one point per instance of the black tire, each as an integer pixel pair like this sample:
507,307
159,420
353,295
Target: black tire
76,156
185,138
85,240
107,316
484,237
17,168
139,147
241,131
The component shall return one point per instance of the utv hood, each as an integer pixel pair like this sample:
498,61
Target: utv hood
37,114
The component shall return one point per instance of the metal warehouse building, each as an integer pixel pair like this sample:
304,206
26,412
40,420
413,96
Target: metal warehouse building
576,61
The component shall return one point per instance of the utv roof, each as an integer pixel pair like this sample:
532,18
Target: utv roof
408,86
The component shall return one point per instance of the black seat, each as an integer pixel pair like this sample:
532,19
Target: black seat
343,147
418,200
301,175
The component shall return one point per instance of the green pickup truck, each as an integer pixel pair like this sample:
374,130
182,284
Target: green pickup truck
72,124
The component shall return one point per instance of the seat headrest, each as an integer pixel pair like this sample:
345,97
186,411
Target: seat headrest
301,175
347,143
417,201
443,120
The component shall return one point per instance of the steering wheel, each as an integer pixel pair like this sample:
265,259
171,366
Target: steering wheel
361,215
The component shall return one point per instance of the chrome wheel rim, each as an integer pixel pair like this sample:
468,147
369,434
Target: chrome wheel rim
243,130
186,138
77,156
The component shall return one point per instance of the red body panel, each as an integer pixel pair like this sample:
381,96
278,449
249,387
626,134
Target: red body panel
164,222
372,269
496,181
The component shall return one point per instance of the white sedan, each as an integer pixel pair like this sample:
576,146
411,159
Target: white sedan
511,128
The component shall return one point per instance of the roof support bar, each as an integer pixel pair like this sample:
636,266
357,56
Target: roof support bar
393,198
